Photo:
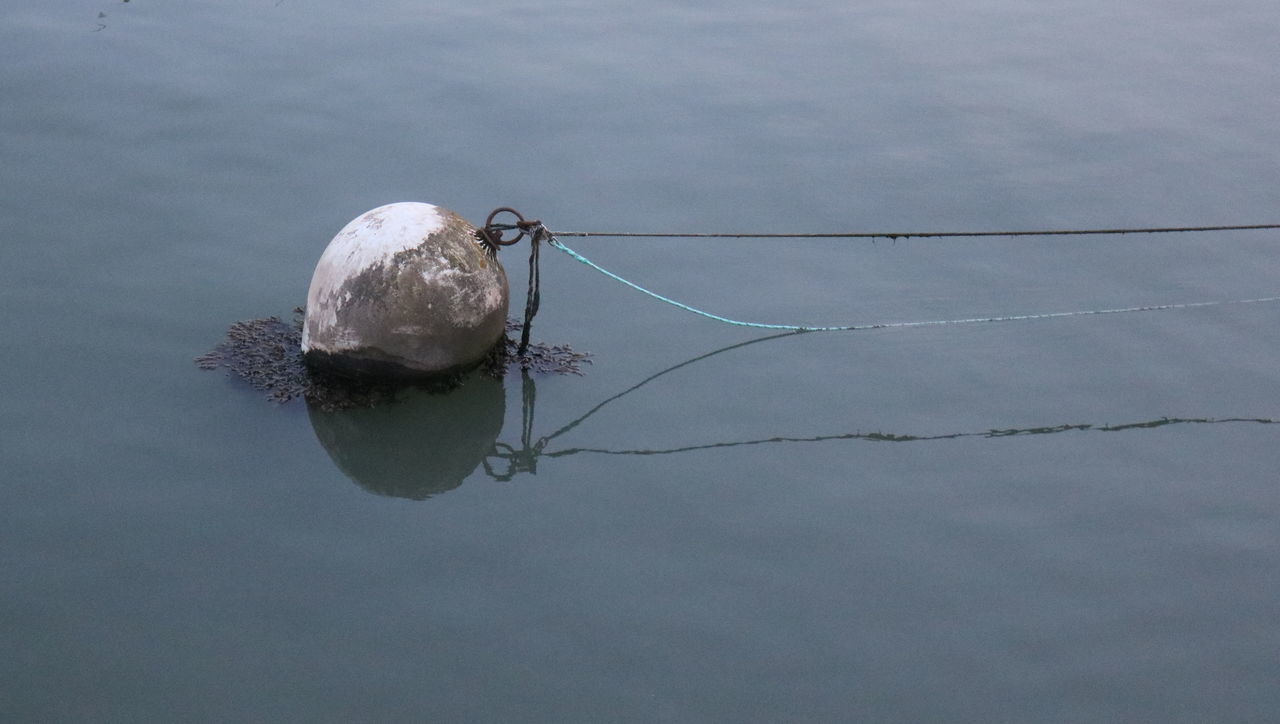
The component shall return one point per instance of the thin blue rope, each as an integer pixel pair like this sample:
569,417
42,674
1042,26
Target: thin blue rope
894,325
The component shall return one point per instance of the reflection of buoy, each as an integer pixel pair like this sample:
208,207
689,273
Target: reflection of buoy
421,446
405,290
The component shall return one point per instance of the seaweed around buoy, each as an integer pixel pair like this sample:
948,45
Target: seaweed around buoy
267,354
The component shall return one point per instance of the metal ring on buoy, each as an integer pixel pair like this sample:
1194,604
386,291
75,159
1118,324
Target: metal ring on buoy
493,232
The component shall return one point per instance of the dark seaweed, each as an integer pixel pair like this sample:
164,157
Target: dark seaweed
267,355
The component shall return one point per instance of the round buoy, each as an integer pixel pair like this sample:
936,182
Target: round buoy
404,290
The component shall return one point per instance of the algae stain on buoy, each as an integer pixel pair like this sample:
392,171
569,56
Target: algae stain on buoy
404,290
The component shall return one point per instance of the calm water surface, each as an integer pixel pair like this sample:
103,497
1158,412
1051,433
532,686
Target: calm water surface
815,527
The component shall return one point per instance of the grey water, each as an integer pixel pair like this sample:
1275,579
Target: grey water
1072,519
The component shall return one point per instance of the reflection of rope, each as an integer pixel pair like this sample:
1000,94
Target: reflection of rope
525,459
897,325
891,437
651,378
528,398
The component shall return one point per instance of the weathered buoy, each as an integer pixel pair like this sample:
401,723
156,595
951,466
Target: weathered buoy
404,290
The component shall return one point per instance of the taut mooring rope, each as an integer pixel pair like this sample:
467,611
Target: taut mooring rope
919,234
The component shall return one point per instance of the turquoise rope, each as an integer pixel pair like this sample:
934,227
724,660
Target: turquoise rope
791,327
893,325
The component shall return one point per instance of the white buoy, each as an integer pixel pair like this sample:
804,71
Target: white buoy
404,290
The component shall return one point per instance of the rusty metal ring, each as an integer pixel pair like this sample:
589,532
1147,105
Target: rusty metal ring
495,235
